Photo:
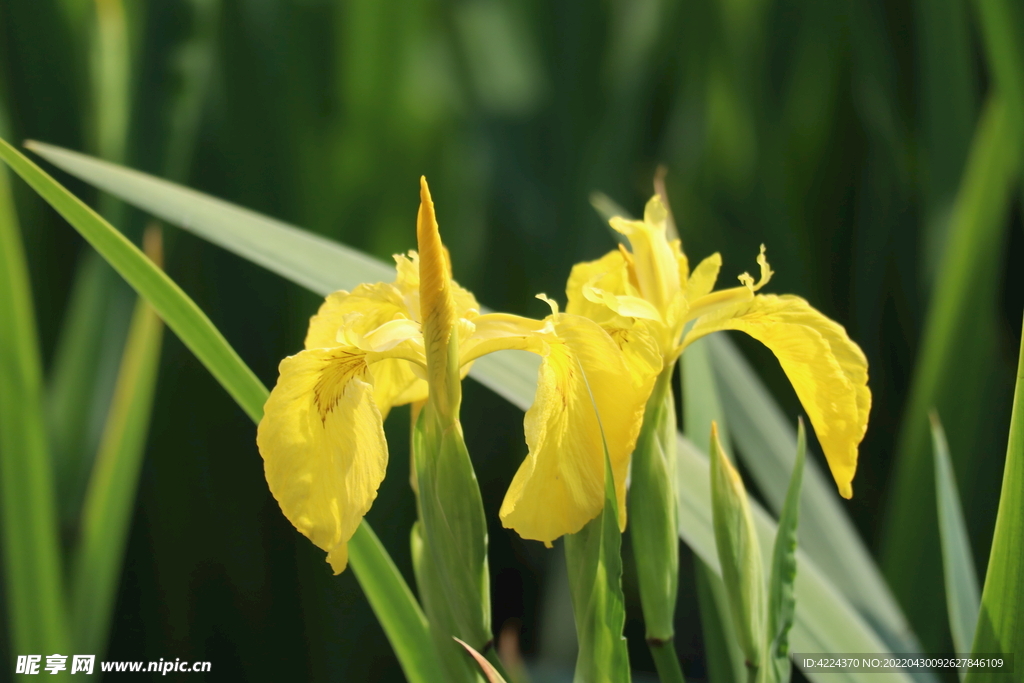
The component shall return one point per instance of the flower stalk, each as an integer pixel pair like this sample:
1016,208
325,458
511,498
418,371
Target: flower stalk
655,526
450,537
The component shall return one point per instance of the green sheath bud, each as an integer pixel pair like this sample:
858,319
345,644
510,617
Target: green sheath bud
738,552
652,499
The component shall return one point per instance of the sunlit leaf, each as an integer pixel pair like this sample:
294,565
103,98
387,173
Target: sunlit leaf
962,593
32,556
1000,626
110,498
781,582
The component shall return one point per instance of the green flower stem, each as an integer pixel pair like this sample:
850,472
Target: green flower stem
451,570
666,661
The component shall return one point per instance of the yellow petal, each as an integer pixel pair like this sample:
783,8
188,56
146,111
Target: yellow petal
682,263
703,278
503,331
396,383
828,371
611,274
623,305
657,266
641,350
323,447
560,485
373,316
360,312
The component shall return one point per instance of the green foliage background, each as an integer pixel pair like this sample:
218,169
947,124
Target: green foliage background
836,133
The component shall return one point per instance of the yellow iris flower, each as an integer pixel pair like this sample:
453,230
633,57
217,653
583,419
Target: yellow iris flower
322,435
653,285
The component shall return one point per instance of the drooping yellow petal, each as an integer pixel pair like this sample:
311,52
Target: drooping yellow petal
828,371
586,388
323,447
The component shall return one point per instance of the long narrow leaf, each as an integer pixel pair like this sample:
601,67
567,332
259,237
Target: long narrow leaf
1000,626
85,357
394,604
411,642
179,312
302,257
110,497
96,320
781,583
826,621
963,597
958,344
32,567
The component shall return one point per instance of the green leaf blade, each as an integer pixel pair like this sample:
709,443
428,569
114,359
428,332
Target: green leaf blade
300,256
957,351
782,581
32,555
179,312
963,597
110,497
1000,626
492,674
394,605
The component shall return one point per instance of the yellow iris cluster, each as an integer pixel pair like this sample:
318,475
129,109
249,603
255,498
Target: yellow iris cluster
322,436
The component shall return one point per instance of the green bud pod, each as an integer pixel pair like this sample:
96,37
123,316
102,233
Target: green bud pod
652,500
738,552
453,576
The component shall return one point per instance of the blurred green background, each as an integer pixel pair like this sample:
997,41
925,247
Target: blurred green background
837,133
